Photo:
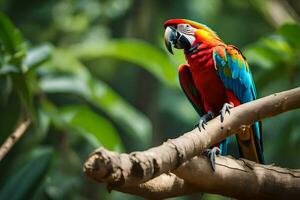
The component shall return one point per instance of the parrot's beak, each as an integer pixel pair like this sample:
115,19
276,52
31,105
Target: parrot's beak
170,38
175,38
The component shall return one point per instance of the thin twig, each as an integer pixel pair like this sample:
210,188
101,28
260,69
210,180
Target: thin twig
14,137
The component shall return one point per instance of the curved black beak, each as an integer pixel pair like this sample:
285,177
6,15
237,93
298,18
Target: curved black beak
175,38
170,38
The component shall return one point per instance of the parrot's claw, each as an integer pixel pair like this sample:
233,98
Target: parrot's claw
204,119
211,154
225,109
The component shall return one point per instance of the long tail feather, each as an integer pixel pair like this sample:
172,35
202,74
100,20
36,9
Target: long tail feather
250,143
224,146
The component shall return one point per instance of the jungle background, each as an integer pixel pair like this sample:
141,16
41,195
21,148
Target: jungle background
96,73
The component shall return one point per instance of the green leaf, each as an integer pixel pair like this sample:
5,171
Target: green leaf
24,182
37,56
261,57
21,84
11,39
78,80
92,126
82,120
291,33
98,93
138,52
8,69
269,52
41,125
13,44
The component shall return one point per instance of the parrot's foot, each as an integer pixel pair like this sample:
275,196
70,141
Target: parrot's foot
225,109
204,119
211,154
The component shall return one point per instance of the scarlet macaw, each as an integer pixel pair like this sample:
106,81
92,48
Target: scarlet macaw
215,79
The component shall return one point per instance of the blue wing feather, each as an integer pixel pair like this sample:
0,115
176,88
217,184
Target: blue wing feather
235,74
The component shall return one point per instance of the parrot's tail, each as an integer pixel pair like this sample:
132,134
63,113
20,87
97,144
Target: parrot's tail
223,146
250,143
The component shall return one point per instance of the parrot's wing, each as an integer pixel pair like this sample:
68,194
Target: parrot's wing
234,71
235,74
188,86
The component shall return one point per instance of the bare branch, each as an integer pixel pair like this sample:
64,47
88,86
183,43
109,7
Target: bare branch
161,187
14,137
241,179
138,167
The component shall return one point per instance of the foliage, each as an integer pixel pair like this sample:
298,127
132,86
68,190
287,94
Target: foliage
29,176
93,73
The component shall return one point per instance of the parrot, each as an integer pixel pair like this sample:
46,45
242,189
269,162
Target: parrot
215,79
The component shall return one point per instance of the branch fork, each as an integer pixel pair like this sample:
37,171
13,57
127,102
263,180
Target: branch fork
175,167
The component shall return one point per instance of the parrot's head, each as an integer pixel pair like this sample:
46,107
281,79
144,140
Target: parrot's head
183,34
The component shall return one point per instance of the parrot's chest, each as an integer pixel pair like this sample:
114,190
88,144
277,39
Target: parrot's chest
207,82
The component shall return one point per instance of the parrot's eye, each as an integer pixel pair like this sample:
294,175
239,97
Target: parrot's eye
183,27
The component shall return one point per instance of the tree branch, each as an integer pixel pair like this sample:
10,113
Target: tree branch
14,137
240,179
161,187
130,170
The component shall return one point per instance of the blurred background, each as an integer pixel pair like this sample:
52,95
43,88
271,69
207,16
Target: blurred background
96,73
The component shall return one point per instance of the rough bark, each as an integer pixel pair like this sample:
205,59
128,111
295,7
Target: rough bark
161,187
240,179
138,167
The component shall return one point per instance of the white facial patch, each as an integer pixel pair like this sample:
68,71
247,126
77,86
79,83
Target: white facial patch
191,38
188,31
